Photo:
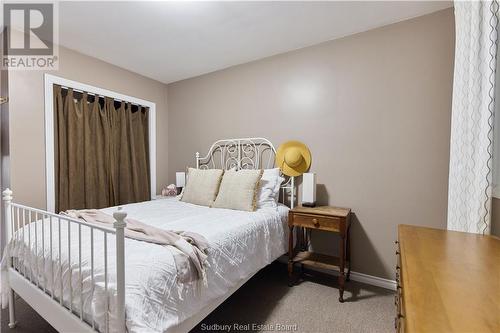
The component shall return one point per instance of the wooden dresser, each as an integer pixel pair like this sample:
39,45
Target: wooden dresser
447,281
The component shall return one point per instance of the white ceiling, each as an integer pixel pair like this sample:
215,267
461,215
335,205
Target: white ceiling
171,41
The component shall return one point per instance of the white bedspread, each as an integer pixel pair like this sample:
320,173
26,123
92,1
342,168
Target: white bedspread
241,243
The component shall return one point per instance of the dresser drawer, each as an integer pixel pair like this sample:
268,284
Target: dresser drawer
316,222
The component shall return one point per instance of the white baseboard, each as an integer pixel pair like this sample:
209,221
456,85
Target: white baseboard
359,277
373,280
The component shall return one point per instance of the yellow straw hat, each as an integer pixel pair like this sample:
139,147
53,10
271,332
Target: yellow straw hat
293,158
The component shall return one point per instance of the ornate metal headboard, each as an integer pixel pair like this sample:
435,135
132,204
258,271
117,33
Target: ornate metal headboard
246,153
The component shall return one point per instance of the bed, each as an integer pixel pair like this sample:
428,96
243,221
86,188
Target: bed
90,278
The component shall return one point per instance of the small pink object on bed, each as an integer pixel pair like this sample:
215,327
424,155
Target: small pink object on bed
169,191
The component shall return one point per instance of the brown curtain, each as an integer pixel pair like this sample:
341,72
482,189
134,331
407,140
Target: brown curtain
101,151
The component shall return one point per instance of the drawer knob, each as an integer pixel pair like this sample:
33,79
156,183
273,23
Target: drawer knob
316,223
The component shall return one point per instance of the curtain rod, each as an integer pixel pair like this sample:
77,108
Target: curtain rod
89,93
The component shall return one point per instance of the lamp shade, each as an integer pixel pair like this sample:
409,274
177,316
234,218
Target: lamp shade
293,158
180,179
308,189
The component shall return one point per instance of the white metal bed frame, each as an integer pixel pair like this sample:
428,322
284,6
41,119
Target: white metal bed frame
246,153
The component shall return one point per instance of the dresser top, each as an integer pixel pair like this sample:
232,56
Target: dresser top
450,280
323,210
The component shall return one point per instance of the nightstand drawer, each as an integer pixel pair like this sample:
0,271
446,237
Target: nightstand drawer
317,222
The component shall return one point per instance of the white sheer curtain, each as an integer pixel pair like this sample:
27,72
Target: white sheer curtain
471,149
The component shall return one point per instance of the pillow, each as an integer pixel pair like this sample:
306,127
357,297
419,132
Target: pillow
269,187
202,186
238,190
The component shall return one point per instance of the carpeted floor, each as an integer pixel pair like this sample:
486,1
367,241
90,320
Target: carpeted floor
310,306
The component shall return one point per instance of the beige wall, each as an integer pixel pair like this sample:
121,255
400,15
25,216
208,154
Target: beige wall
27,117
374,108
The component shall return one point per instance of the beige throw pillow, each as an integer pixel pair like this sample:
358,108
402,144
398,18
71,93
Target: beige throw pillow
202,186
238,190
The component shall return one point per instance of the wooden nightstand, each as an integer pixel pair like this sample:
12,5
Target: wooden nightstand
325,218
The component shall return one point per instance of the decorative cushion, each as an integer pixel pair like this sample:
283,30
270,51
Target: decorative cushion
269,187
202,186
238,190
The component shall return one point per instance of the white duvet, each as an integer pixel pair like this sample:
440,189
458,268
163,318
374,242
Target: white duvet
241,243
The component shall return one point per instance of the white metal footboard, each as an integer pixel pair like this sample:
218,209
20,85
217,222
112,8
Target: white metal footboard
27,227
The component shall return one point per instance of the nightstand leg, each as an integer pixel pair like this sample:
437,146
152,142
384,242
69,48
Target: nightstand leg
342,267
290,257
302,241
300,238
348,255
